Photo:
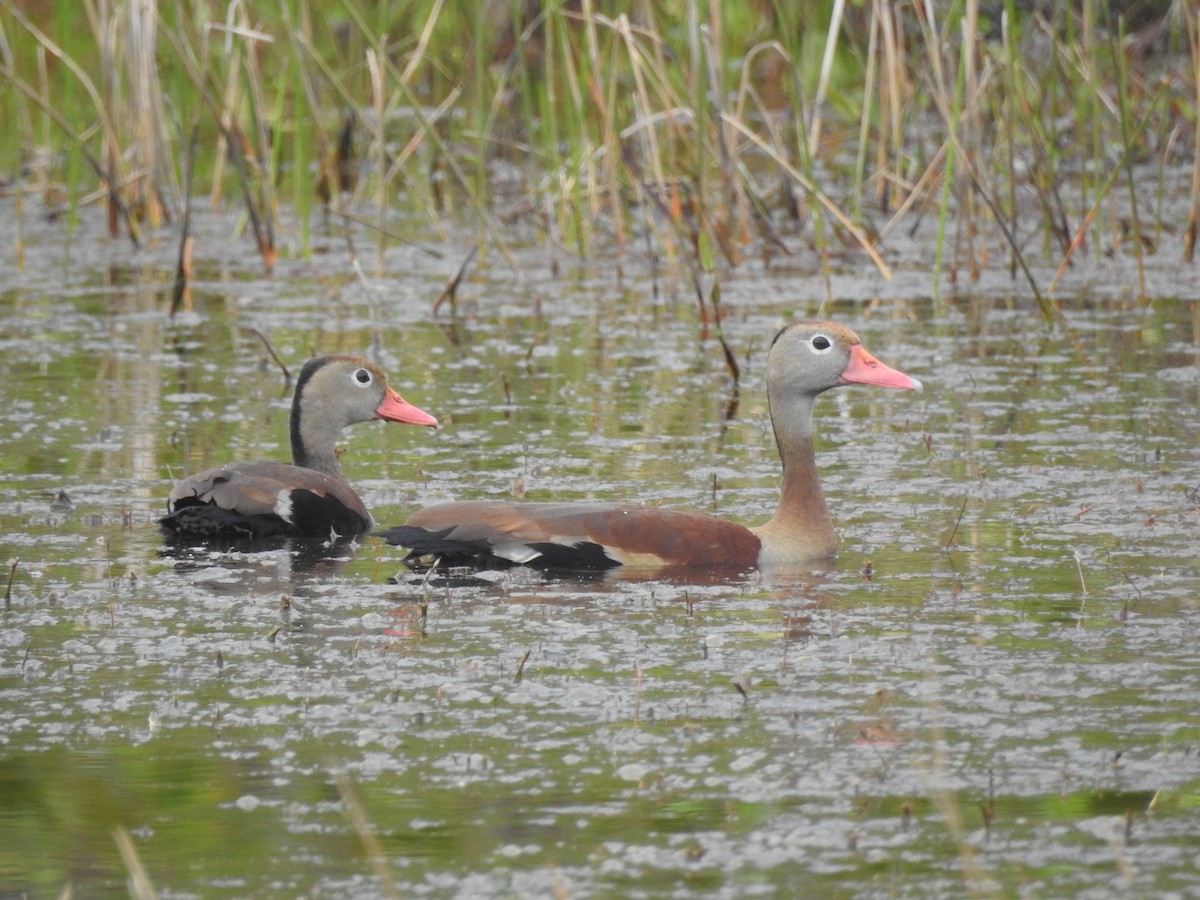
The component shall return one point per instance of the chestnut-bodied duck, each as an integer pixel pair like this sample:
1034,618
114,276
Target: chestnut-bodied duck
309,498
805,359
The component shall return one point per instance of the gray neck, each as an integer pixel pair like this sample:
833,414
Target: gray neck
314,436
801,526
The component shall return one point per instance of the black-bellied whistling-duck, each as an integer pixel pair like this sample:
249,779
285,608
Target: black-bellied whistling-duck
310,497
805,359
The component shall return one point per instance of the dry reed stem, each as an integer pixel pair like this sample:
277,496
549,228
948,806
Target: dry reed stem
100,170
732,228
105,36
864,118
660,116
378,106
1010,51
1117,169
229,102
263,236
747,93
895,75
357,815
419,53
1192,26
328,174
978,883
952,540
180,292
923,190
8,60
108,173
146,101
645,119
827,60
12,574
609,143
441,111
140,885
972,128
264,157
450,291
412,102
1123,119
945,100
855,231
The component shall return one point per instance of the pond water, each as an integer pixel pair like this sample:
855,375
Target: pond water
994,690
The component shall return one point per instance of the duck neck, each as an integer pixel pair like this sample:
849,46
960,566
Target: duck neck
801,527
313,443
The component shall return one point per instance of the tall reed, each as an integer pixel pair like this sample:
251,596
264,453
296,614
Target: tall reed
699,132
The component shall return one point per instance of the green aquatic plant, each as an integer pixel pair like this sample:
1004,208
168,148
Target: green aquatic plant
694,129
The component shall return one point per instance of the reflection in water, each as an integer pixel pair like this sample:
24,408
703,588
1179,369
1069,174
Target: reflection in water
793,578
285,562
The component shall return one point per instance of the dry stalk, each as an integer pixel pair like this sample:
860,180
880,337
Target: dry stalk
140,885
12,574
109,174
1192,25
378,105
855,231
357,815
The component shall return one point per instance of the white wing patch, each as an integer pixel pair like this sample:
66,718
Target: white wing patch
515,552
283,505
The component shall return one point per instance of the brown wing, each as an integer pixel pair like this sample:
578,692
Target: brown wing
265,498
546,533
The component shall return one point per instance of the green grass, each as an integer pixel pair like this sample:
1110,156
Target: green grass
705,131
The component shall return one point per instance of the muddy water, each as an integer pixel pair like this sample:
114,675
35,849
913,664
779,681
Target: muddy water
993,691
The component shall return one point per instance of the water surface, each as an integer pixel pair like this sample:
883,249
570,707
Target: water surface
992,691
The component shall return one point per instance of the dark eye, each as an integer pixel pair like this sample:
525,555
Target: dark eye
820,342
362,376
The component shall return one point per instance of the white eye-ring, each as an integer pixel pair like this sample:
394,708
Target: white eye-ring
362,376
820,343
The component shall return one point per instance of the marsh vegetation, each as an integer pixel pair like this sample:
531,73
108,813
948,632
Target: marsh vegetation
570,231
